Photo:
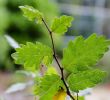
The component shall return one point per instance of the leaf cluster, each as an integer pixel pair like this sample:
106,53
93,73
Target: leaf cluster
78,60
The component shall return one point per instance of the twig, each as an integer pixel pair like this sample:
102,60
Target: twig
55,57
77,96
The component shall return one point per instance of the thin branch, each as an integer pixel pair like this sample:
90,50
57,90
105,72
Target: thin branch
55,57
50,32
77,96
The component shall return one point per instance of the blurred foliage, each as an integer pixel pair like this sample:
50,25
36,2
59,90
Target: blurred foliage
77,2
4,49
3,16
13,23
3,23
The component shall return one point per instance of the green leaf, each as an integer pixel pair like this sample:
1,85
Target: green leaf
81,54
32,55
51,70
80,98
85,79
48,86
61,25
31,13
4,49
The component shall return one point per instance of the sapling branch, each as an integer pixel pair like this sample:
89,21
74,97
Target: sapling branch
60,26
77,96
56,59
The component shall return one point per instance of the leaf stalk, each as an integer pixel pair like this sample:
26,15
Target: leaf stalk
56,59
